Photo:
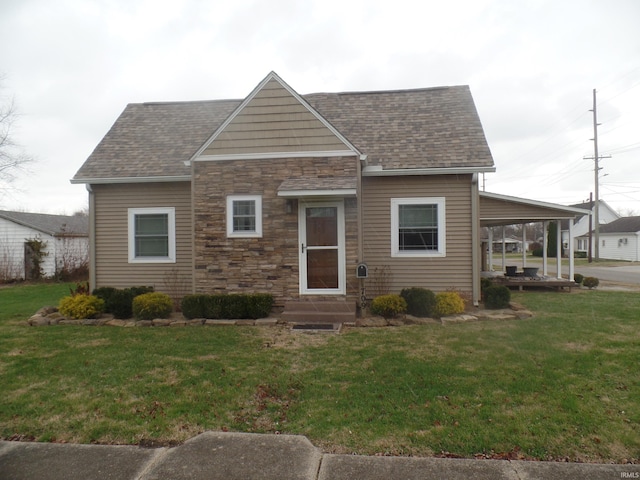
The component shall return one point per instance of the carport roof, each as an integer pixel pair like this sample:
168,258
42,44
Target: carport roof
497,209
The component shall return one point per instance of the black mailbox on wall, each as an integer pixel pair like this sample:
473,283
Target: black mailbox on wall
362,271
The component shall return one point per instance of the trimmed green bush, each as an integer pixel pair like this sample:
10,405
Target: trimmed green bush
194,306
497,296
388,306
152,305
81,306
449,303
120,302
259,305
578,278
231,306
484,284
591,282
420,301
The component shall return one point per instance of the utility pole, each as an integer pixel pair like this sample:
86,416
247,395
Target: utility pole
596,170
590,228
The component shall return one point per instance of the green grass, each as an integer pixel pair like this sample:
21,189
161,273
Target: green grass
563,384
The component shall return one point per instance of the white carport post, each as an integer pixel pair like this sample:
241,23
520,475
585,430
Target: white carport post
490,229
524,245
545,243
571,248
504,251
559,249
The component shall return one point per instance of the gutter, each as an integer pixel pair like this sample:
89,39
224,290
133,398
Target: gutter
113,180
378,171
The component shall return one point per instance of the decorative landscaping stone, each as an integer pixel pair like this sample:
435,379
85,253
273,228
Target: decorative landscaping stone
161,322
267,321
144,323
70,321
115,322
38,321
218,323
458,319
249,323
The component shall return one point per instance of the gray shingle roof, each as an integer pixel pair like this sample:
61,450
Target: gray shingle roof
424,128
622,225
56,225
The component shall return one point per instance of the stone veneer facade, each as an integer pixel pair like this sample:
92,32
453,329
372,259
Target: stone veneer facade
268,264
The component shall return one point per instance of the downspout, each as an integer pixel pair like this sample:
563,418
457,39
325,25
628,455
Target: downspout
359,198
475,240
193,227
92,237
359,206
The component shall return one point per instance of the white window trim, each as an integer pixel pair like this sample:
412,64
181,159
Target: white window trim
395,247
171,216
245,234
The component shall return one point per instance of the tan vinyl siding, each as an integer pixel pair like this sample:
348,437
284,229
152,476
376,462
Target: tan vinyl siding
492,211
274,121
438,273
111,214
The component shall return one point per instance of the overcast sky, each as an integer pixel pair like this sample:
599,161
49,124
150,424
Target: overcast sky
71,66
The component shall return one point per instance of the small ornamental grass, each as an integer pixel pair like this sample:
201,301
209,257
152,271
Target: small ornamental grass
449,303
152,305
81,306
388,306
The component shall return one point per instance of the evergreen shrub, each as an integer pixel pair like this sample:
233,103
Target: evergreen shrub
152,305
119,302
231,306
420,301
388,306
449,303
497,296
81,306
590,282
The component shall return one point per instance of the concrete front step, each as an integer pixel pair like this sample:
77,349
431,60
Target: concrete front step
319,311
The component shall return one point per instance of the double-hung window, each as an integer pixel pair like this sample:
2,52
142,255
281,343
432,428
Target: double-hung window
152,235
418,227
244,216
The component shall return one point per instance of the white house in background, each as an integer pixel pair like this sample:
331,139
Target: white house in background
619,240
581,224
65,240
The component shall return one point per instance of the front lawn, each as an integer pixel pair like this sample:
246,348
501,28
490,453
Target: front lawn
563,384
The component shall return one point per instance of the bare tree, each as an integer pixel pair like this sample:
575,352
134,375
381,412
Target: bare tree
13,159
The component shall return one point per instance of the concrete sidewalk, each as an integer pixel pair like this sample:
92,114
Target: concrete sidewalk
241,456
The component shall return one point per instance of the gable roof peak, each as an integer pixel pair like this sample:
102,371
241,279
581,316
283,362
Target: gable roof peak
345,144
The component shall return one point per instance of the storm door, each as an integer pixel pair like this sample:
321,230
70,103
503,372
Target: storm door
322,247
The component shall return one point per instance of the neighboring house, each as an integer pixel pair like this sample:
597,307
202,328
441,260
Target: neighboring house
65,242
288,194
581,226
619,240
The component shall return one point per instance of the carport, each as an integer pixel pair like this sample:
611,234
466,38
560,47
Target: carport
498,210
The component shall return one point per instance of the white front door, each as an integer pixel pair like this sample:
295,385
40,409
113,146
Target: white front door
322,257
